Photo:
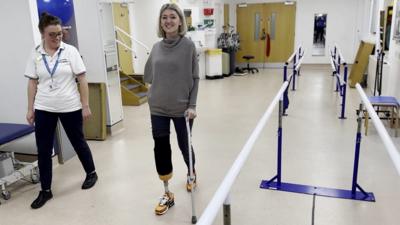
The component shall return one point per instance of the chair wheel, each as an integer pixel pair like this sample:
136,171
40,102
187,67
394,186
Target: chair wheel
35,177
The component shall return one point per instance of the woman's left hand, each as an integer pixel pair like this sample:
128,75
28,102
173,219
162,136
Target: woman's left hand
86,113
191,113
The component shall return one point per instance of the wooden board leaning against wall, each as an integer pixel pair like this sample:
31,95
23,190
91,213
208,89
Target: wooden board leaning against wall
277,20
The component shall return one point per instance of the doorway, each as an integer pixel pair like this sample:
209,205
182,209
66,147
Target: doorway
256,23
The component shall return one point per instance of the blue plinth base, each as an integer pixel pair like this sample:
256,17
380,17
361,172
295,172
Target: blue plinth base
319,191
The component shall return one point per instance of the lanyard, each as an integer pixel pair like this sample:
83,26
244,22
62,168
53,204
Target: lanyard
51,72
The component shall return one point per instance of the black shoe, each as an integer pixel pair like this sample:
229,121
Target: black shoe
43,197
89,181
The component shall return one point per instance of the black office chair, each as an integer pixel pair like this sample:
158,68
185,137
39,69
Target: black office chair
248,68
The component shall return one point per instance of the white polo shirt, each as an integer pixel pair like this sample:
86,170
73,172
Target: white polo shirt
57,93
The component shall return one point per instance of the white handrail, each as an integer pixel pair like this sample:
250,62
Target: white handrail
331,52
126,46
222,193
340,54
333,65
132,38
293,54
291,57
300,62
387,141
341,80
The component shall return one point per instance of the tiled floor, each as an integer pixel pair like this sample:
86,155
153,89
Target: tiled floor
318,150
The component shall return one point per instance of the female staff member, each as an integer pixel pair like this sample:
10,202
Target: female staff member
172,71
53,94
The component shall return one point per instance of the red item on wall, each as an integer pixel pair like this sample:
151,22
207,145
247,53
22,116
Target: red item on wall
208,11
268,46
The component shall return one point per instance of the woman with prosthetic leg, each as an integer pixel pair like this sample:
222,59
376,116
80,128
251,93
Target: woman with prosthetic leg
172,72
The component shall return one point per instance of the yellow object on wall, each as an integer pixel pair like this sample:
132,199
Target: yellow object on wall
121,20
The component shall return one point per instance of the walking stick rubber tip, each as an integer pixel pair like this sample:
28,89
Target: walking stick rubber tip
194,219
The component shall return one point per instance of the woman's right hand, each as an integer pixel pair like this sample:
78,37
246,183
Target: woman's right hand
30,117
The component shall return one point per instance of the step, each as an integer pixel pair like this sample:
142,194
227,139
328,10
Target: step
124,78
132,86
141,94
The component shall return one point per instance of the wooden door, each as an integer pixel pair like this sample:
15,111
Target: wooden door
257,21
121,20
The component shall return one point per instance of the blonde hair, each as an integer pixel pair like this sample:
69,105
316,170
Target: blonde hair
182,28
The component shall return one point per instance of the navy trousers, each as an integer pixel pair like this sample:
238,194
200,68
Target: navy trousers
45,125
162,148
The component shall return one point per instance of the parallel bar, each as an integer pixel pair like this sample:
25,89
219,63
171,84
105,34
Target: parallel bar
339,52
387,141
300,62
227,210
293,55
294,71
357,151
333,65
279,159
335,52
285,94
220,195
344,92
294,80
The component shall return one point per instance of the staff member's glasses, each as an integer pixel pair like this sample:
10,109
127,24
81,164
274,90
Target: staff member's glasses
55,34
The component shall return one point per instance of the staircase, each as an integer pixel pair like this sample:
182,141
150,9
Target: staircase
133,92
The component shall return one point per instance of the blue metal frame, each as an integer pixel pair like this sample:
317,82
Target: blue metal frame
294,72
343,92
352,194
296,59
337,72
285,94
342,89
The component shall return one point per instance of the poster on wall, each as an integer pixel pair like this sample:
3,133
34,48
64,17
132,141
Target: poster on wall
64,9
209,23
396,33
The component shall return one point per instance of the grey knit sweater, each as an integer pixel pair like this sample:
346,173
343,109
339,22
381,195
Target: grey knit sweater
173,72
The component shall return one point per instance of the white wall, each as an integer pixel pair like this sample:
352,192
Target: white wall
19,38
144,22
90,39
94,31
343,25
390,80
394,62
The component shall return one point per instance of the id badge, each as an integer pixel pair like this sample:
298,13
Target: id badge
54,86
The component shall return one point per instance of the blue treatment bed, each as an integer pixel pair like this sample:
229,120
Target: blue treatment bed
11,131
389,102
13,170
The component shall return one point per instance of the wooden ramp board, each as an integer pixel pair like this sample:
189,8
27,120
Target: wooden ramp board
361,63
95,127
